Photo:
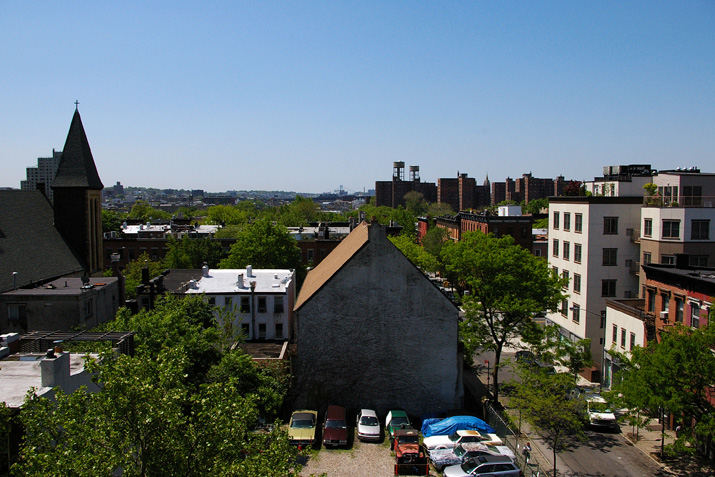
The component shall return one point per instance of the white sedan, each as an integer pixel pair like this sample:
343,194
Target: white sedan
368,426
461,437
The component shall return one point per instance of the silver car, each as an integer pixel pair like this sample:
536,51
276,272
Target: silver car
368,426
494,466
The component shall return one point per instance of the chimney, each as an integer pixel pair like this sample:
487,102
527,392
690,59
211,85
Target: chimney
249,271
239,282
205,270
55,369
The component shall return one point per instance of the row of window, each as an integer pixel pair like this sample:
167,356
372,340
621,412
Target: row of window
246,329
245,304
693,260
677,310
699,229
623,338
566,252
577,225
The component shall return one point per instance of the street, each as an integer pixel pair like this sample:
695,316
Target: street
602,454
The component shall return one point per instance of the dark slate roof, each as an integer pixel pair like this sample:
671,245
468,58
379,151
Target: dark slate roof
77,168
29,243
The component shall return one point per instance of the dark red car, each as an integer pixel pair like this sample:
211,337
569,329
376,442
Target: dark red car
335,428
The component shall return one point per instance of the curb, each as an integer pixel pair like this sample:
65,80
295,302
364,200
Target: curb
635,444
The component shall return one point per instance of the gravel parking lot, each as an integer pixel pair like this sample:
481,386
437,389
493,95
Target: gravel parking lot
361,459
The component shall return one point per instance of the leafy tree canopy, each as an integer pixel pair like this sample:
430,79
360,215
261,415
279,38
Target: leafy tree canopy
193,253
263,245
141,210
416,254
545,402
675,374
182,405
112,220
506,286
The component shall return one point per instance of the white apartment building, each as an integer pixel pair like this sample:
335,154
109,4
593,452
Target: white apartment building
592,243
44,174
259,303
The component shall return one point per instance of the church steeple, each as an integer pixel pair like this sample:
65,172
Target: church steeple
77,191
76,168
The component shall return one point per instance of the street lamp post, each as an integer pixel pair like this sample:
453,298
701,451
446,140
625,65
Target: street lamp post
486,361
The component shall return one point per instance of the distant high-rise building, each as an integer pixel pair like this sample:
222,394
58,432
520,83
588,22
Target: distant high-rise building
392,193
42,176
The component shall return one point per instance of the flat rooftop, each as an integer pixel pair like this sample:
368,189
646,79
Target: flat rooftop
227,281
21,371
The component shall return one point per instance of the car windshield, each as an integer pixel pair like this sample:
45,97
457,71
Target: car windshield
369,421
454,437
335,424
469,466
409,439
399,421
301,423
599,407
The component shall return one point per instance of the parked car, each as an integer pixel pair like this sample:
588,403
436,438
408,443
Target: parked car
367,425
528,358
396,419
301,429
599,414
410,458
493,466
335,427
442,458
461,437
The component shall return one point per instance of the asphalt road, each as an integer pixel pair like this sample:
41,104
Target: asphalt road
602,455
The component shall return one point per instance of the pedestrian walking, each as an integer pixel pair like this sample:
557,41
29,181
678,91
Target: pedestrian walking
527,452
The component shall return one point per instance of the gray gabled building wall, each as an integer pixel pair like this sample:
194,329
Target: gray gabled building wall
374,332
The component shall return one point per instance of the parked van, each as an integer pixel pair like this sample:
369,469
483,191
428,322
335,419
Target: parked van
335,428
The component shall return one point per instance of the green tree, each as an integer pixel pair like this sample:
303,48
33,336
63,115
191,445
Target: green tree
434,240
141,210
193,253
415,202
535,206
147,421
182,405
416,254
674,375
438,209
549,345
133,273
112,220
231,215
506,286
545,402
263,245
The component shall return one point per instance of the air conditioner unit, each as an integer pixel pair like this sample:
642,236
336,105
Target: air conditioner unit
664,315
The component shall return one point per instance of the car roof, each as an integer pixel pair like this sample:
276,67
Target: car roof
368,412
304,415
469,433
483,459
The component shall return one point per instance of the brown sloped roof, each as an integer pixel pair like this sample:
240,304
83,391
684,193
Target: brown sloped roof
77,168
330,265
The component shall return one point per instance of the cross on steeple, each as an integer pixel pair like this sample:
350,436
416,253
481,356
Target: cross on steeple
76,105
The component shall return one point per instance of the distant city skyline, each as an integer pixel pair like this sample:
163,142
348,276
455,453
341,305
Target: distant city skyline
306,96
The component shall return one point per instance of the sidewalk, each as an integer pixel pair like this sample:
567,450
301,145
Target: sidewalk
648,440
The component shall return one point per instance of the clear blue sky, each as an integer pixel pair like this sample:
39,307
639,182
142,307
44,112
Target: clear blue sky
306,96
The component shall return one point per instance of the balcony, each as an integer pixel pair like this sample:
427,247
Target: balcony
681,201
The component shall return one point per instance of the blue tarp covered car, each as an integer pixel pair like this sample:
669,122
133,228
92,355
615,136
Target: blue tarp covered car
453,424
